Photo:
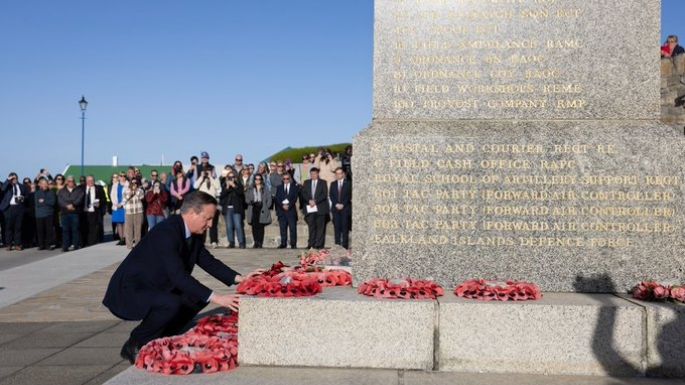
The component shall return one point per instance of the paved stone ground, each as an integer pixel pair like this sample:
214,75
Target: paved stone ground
65,336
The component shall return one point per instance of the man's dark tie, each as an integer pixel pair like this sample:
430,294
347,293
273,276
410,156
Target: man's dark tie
286,189
16,190
88,198
339,192
189,242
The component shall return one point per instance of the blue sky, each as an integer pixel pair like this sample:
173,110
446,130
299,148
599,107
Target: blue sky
172,78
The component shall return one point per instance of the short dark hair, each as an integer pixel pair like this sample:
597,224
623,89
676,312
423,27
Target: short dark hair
196,200
339,168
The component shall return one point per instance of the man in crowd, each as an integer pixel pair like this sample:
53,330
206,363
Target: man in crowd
154,282
70,199
238,165
316,210
286,197
341,199
13,206
45,200
276,178
93,209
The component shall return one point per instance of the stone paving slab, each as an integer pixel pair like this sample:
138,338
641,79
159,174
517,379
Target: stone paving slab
24,281
109,373
435,378
104,340
45,340
7,370
84,356
24,357
54,375
317,376
263,376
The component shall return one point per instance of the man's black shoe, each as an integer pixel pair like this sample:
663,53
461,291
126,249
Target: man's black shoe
293,247
130,351
282,246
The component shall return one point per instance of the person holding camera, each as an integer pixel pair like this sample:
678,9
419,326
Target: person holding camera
70,199
233,206
207,183
133,205
13,206
156,199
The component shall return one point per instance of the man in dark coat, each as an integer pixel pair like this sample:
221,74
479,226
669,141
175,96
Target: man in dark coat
341,201
286,197
13,205
316,210
154,282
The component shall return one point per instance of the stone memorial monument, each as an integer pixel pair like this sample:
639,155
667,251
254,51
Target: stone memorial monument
511,139
519,139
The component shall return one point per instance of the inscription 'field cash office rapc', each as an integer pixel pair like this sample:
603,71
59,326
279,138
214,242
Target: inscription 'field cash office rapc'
518,139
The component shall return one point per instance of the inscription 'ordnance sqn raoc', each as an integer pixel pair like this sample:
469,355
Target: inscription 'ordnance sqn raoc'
516,140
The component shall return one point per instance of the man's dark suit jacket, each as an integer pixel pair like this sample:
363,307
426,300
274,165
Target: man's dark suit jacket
320,196
162,262
345,197
292,196
99,194
9,192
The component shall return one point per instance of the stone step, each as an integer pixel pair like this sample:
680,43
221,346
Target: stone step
322,376
563,334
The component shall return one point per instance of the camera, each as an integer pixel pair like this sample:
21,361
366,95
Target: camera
19,199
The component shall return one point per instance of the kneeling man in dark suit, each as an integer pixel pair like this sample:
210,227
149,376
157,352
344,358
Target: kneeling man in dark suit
154,283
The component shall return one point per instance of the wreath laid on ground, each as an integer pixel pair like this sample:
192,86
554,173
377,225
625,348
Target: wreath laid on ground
654,291
280,281
211,346
483,290
401,289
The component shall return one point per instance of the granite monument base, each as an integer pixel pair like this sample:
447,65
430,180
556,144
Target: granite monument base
573,206
562,334
337,328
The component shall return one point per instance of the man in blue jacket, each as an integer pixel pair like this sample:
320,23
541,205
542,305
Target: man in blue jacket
154,282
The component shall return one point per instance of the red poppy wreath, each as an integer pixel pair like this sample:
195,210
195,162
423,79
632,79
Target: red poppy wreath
483,290
401,289
653,291
299,282
211,346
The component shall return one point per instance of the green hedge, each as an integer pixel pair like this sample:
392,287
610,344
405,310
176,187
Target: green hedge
296,154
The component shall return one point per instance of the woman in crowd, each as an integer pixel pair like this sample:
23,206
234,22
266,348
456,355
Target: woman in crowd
59,184
133,204
156,199
671,48
118,210
210,185
258,213
233,206
179,189
326,164
45,201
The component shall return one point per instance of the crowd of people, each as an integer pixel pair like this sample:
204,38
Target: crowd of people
50,212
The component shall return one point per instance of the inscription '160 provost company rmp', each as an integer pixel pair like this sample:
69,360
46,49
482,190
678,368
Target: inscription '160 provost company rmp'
514,195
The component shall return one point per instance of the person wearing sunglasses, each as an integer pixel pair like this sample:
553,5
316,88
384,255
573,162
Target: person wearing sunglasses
258,214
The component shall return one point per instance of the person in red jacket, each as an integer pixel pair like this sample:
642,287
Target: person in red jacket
157,199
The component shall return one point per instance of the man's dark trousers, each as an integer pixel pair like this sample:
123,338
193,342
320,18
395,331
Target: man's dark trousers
286,222
170,314
341,222
14,216
316,223
93,224
70,231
